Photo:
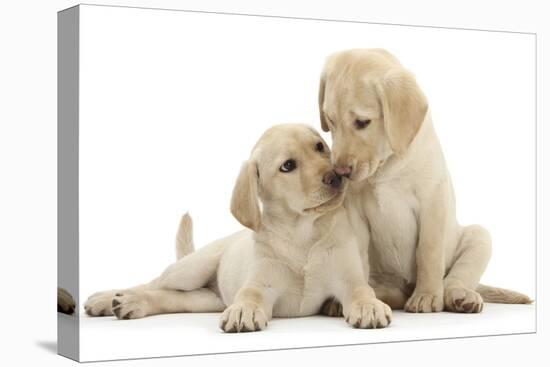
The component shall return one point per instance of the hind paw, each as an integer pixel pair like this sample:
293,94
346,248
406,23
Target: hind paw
464,300
128,306
99,304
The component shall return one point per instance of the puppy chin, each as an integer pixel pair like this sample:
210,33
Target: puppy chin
362,172
366,171
334,201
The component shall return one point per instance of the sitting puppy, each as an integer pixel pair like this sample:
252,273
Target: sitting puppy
300,251
401,200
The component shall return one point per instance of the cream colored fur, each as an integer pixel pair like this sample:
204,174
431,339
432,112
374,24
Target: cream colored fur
401,200
298,251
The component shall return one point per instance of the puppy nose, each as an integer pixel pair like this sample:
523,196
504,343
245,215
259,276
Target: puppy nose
332,179
343,171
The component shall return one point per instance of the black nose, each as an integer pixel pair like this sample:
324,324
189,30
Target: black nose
332,179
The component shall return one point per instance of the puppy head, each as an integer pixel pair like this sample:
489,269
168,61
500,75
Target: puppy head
290,172
372,106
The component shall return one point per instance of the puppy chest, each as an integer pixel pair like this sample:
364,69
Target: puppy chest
306,292
392,213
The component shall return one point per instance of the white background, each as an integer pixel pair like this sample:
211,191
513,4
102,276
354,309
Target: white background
28,190
172,102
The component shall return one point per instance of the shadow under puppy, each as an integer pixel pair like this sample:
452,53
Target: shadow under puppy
299,250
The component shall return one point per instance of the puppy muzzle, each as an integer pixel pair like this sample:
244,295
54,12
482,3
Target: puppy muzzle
332,179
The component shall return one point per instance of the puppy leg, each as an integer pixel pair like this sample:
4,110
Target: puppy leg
391,289
430,252
360,306
472,256
192,271
331,307
189,273
145,302
394,297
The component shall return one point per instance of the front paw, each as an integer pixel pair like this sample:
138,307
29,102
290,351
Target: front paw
424,302
370,314
460,299
243,317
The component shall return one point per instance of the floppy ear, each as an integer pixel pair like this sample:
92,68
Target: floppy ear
324,124
404,107
244,202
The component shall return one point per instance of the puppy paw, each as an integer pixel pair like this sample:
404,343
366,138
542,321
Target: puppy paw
332,307
243,317
424,302
460,299
65,302
369,314
128,306
99,304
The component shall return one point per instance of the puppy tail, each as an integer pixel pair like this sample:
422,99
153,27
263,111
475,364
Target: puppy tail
501,295
184,237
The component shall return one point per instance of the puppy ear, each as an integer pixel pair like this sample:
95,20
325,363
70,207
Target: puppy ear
404,107
324,124
244,202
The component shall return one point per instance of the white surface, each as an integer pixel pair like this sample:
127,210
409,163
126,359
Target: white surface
28,203
186,334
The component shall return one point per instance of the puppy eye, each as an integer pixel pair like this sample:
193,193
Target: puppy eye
320,147
361,124
288,166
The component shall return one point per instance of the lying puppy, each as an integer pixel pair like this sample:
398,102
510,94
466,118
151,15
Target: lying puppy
299,249
401,195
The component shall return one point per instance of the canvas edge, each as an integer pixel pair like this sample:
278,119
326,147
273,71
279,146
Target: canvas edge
68,326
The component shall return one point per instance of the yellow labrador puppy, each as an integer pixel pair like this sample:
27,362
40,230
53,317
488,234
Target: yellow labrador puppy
299,248
401,195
